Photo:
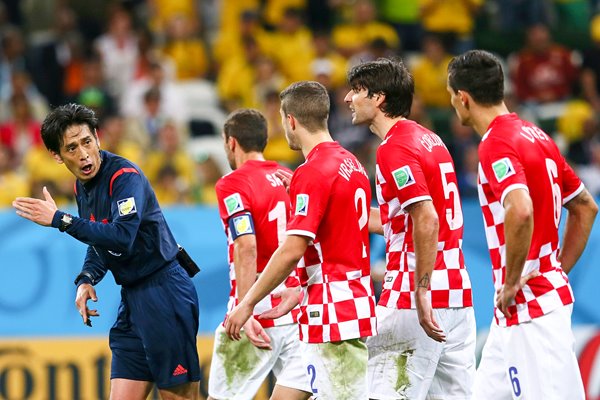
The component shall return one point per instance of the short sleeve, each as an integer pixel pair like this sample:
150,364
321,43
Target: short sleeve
502,168
232,197
401,169
309,194
571,184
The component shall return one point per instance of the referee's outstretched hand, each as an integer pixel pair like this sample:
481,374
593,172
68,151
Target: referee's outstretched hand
36,210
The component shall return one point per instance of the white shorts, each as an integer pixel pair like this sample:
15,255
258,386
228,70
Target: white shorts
238,368
337,370
530,361
405,363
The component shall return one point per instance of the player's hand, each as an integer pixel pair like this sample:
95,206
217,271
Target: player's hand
36,210
285,177
290,298
86,292
505,296
237,319
426,318
257,335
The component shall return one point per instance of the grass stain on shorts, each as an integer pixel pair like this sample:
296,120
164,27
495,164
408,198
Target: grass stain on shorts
239,357
348,365
403,381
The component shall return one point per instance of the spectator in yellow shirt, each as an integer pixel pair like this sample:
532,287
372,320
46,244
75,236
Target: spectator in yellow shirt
185,49
170,154
430,72
235,81
354,37
291,46
452,17
12,184
230,41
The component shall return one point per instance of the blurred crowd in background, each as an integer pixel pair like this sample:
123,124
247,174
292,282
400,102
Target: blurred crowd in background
163,74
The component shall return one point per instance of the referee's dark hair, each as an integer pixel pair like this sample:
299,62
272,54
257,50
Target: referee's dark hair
61,118
248,127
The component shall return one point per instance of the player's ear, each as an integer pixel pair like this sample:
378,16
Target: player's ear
379,98
464,98
56,156
291,120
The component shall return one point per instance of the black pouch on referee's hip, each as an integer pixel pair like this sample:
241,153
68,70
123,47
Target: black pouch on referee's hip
186,262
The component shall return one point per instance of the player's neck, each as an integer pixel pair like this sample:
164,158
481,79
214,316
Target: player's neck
311,140
483,117
381,125
242,157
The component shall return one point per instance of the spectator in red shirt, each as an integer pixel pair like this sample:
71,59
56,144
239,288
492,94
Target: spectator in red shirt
543,71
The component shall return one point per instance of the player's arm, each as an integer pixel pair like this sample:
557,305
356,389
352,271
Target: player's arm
375,221
518,231
425,238
582,210
244,261
281,264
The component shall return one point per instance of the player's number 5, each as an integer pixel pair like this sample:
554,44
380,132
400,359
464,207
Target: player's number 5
454,215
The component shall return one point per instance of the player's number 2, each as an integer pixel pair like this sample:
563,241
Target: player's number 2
454,215
360,203
312,371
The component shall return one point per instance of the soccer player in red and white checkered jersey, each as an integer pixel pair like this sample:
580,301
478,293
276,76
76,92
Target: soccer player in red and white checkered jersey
426,282
328,235
254,206
523,184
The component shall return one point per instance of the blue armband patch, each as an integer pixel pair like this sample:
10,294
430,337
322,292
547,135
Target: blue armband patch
241,224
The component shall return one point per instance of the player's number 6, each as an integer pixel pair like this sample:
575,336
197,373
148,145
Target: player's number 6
512,374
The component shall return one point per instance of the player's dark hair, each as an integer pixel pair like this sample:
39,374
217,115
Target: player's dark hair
308,102
248,127
389,77
478,73
60,119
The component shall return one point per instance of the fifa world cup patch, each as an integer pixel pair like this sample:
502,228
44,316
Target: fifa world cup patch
242,225
233,203
126,206
403,177
503,168
301,204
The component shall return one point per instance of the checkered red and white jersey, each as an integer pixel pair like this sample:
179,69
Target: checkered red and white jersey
413,165
330,196
515,154
253,188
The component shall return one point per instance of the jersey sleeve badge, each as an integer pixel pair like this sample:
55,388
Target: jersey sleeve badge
126,206
242,225
503,168
302,204
403,177
233,204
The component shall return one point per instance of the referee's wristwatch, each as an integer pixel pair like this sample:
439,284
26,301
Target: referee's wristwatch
65,221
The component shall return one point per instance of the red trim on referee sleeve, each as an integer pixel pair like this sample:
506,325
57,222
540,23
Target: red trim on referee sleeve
119,173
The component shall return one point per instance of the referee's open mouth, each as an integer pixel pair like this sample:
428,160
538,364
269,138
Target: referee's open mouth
87,169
